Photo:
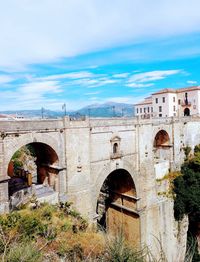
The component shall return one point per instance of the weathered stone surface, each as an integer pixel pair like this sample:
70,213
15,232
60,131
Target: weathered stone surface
85,151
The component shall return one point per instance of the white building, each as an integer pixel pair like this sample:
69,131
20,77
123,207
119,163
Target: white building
170,102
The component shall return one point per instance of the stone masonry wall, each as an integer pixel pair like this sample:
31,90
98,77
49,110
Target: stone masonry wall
85,149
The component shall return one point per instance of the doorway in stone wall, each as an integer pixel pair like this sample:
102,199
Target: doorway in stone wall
186,111
117,207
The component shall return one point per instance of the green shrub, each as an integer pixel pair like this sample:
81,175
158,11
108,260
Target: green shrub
13,219
119,251
75,253
30,225
47,231
47,212
23,252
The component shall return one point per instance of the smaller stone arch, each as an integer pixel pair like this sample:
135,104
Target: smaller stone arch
162,139
117,206
186,111
115,147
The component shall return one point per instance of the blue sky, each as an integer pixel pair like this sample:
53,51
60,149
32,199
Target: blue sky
82,52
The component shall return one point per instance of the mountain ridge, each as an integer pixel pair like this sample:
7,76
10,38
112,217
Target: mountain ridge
108,109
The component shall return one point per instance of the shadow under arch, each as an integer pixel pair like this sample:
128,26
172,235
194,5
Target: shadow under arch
117,206
34,163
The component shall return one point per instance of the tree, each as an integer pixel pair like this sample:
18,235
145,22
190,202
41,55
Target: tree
187,194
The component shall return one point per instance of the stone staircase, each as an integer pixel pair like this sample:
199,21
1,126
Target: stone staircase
41,192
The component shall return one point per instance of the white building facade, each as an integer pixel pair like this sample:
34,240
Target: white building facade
170,102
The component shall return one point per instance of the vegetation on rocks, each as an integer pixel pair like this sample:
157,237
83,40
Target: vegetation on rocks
187,195
44,232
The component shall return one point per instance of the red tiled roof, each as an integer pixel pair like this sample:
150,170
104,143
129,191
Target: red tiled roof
166,90
146,101
191,88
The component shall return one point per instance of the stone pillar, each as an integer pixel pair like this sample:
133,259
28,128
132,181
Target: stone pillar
4,202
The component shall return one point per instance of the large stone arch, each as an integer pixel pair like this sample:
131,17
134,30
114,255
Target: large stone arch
117,203
55,141
109,168
12,145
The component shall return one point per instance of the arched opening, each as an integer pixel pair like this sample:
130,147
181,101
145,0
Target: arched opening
162,146
117,206
115,148
162,139
186,111
33,166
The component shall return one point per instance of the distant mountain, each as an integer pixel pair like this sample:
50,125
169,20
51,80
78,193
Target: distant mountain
34,113
109,109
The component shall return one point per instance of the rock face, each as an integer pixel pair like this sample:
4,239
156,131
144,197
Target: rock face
84,153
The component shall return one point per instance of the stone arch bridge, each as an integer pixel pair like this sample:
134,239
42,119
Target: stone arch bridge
109,169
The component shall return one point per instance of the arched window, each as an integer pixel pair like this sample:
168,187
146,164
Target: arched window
115,148
186,111
162,139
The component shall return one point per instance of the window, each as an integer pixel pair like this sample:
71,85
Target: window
186,98
174,108
160,108
152,110
148,109
140,110
179,101
137,110
156,100
160,115
163,99
115,148
144,110
174,98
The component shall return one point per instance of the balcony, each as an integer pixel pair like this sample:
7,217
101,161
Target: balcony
186,103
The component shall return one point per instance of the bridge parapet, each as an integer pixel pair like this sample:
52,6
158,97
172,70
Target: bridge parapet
31,125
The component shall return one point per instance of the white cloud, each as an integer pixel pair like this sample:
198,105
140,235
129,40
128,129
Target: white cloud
5,79
72,75
152,75
31,95
40,31
122,75
97,81
138,85
128,100
92,93
146,79
191,82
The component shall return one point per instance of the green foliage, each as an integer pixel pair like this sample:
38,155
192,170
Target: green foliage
47,212
18,156
49,232
170,179
187,196
30,226
187,189
187,151
75,253
23,252
119,251
192,249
